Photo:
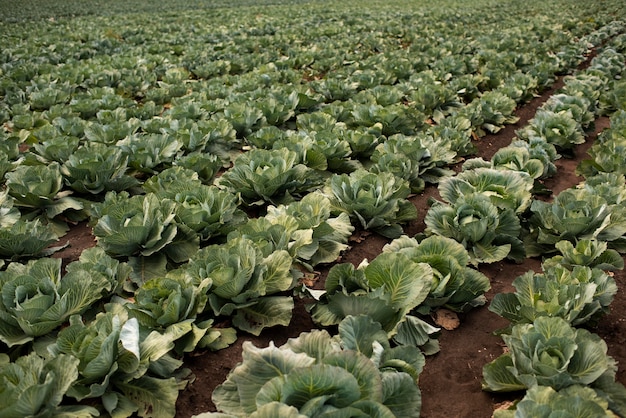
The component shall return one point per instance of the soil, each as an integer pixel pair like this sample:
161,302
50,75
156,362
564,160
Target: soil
451,380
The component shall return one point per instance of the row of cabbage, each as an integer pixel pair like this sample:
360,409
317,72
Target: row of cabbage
99,152
563,367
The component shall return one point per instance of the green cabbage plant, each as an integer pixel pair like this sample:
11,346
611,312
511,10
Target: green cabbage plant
207,210
580,295
488,234
174,305
126,366
586,252
558,128
37,299
387,289
52,145
576,401
580,107
356,373
204,164
549,352
540,149
22,238
95,168
329,234
394,119
323,150
39,190
455,285
245,283
375,201
27,239
606,153
269,176
576,213
142,225
510,158
35,386
489,112
405,157
506,189
150,153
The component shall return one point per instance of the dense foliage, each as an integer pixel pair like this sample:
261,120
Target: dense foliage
221,155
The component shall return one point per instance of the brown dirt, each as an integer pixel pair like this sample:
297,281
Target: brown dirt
451,380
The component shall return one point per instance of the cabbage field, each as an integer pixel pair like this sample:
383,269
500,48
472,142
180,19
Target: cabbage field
313,209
